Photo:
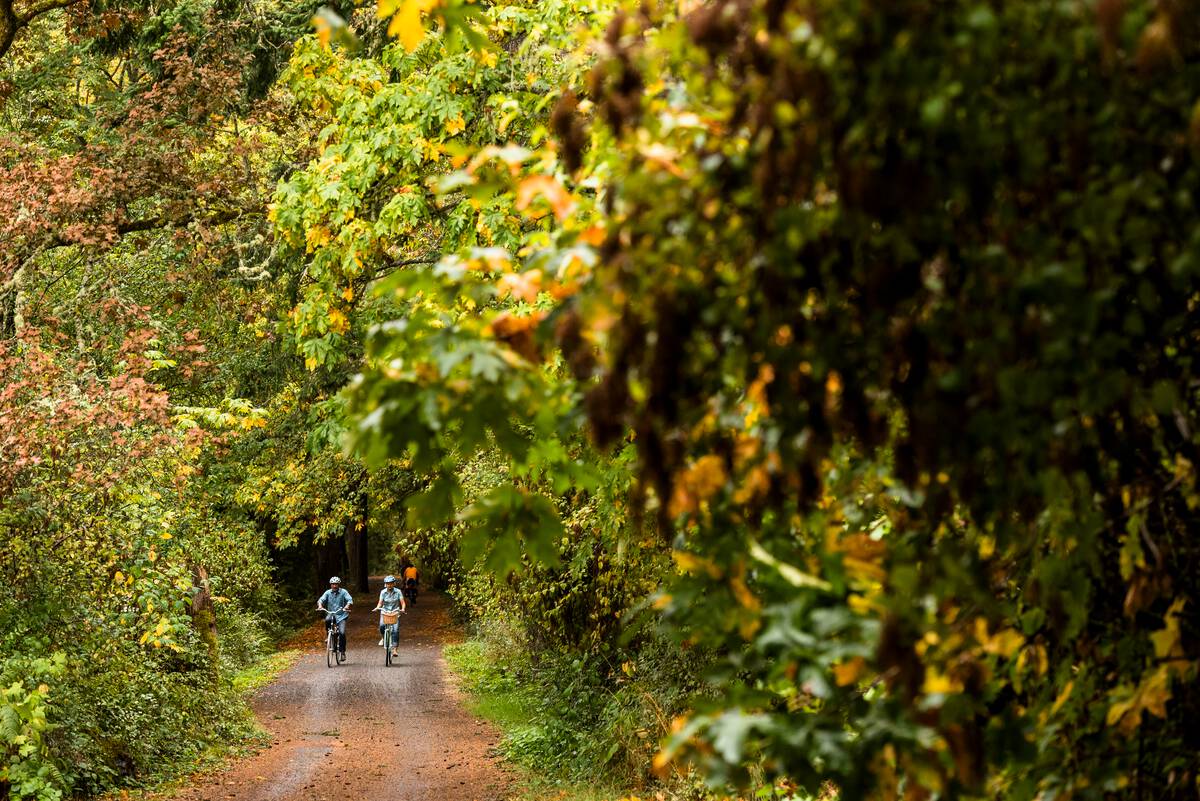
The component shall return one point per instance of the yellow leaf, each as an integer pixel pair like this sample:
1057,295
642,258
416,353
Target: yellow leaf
407,24
1062,697
1043,661
317,236
1003,643
1149,696
940,684
862,605
456,125
338,323
862,569
691,563
1166,640
348,293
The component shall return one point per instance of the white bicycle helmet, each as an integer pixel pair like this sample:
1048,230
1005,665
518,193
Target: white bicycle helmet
389,579
335,580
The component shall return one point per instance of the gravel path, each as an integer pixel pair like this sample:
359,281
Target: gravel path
366,731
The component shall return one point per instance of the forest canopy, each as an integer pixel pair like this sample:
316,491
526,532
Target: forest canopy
821,371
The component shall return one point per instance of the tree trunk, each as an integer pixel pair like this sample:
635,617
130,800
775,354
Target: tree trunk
330,561
12,302
361,550
204,621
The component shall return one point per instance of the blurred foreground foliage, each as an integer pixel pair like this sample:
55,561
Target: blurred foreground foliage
885,311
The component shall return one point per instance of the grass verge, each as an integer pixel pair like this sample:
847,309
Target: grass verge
214,756
497,696
264,671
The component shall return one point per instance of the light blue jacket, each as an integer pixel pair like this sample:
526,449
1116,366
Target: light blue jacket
336,602
389,601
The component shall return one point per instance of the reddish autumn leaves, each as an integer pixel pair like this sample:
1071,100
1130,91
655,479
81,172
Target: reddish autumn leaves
138,167
84,416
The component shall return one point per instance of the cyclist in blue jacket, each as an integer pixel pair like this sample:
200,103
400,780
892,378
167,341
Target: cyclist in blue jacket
390,600
336,601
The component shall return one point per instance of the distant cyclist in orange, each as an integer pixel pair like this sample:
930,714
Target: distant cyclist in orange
412,580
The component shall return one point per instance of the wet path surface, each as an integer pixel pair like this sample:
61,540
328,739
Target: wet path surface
363,730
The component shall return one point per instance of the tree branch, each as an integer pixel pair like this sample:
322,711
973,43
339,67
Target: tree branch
37,9
12,20
155,223
9,25
387,269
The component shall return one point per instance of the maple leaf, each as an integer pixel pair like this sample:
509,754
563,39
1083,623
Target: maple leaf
1149,696
523,286
338,323
847,673
697,483
406,20
547,186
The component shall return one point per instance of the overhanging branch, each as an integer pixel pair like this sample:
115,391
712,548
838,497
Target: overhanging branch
391,266
13,19
156,223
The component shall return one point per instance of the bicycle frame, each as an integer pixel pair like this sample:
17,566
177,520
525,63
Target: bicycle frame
389,633
331,642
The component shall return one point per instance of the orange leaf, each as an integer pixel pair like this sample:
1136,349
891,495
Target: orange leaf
848,672
697,484
547,186
593,236
664,157
523,286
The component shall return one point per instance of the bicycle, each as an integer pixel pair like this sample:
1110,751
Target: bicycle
410,591
331,640
389,623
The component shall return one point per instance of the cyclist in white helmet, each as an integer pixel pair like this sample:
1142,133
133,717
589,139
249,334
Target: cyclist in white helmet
390,600
336,601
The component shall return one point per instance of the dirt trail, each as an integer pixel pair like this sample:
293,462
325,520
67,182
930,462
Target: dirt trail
365,731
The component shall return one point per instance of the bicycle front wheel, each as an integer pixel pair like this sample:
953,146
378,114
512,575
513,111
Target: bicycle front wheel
330,649
387,647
